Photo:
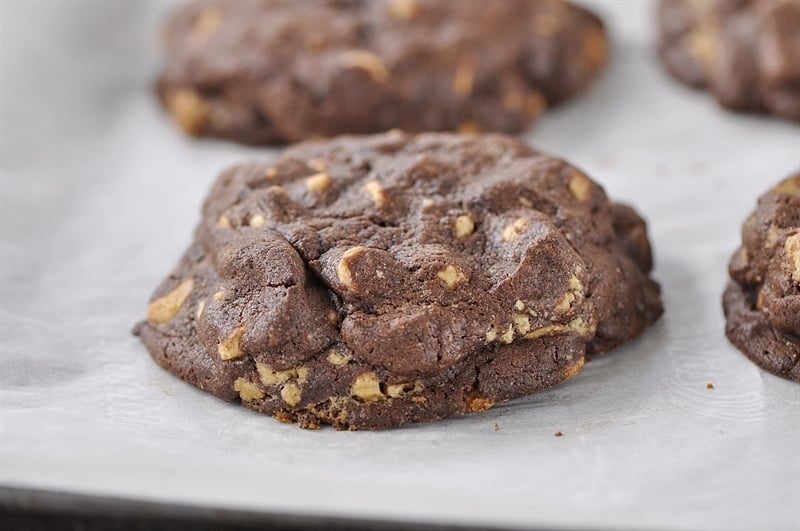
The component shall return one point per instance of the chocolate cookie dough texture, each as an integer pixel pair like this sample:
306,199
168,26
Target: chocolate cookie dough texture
747,52
368,282
762,300
264,71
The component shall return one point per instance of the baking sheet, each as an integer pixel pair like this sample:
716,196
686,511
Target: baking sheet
99,196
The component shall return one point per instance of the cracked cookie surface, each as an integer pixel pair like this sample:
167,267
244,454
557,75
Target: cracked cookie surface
265,71
762,300
368,282
746,52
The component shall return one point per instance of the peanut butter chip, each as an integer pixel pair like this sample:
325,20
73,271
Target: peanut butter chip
247,390
595,48
367,61
532,104
469,127
165,308
189,110
522,323
547,25
508,336
366,387
464,226
792,248
790,186
205,26
743,256
574,291
223,222
464,78
337,358
302,374
772,237
319,182
577,325
452,276
257,221
512,231
343,267
403,9
318,165
394,390
535,104
376,192
580,186
230,348
475,404
701,46
574,369
514,101
270,376
333,316
291,394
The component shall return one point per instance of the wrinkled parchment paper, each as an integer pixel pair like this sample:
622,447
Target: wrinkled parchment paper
99,196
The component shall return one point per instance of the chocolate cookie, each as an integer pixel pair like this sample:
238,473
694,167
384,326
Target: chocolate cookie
367,282
747,52
263,71
762,301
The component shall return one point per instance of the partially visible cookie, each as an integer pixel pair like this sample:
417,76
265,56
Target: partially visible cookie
265,71
368,282
747,52
762,300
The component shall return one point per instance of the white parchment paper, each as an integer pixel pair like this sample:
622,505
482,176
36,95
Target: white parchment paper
99,196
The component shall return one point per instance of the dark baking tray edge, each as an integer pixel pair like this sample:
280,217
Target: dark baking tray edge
26,509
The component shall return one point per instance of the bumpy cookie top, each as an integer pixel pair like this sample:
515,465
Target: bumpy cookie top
746,51
411,253
283,70
767,265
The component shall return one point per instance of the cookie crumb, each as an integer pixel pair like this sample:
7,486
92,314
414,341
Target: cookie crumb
496,427
710,385
559,434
